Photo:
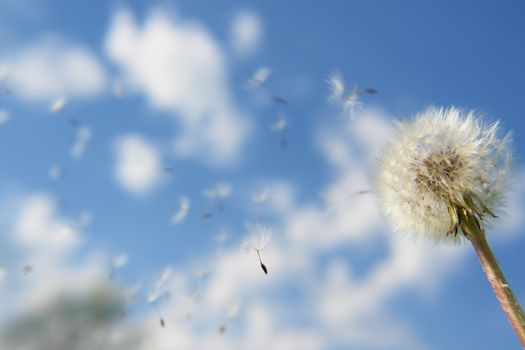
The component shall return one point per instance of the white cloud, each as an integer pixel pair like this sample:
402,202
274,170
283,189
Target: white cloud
53,67
180,67
246,34
138,165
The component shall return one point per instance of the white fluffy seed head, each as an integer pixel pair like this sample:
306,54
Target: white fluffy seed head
441,158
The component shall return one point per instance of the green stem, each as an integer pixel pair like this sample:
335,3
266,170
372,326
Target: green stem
510,305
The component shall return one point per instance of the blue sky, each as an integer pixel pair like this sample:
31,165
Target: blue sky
158,106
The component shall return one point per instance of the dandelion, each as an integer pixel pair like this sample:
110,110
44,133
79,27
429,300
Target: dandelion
441,176
257,244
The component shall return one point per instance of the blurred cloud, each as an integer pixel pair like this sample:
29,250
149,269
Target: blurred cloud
41,240
52,67
138,167
181,68
245,34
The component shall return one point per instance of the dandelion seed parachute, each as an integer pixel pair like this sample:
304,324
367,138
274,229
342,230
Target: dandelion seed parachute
441,160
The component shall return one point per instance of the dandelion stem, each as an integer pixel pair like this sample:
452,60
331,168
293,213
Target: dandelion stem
504,294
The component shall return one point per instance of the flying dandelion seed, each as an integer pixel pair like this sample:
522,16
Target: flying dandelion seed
4,116
284,142
280,124
207,214
259,77
337,86
158,290
259,197
329,201
119,261
182,212
83,136
129,295
257,244
352,104
58,104
168,169
231,315
278,99
441,176
220,191
222,238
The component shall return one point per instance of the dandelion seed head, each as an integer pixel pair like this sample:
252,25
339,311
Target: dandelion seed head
260,236
442,159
